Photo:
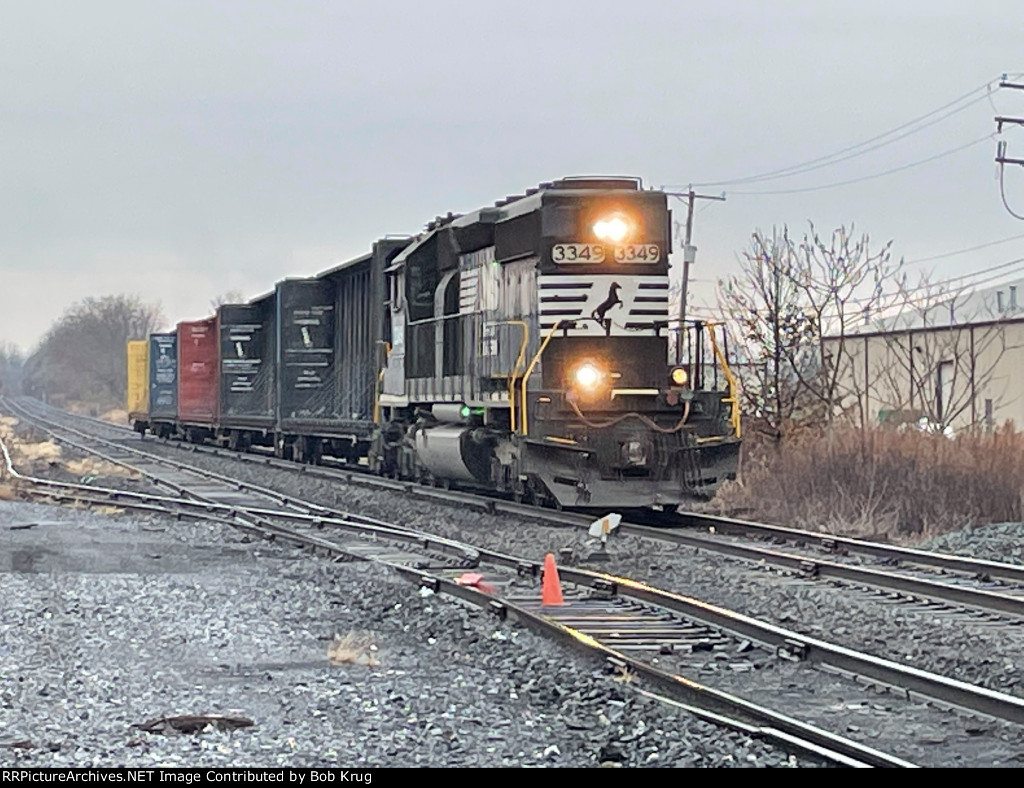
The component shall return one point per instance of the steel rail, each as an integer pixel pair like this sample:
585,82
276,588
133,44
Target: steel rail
749,717
812,568
945,561
316,516
796,645
711,704
816,568
47,426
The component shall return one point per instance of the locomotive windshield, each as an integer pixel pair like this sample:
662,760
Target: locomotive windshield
627,230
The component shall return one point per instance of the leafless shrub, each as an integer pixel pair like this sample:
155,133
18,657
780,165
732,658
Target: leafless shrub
881,483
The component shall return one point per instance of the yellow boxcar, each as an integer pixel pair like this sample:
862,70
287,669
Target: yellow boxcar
138,379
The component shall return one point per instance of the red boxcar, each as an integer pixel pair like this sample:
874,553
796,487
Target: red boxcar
198,371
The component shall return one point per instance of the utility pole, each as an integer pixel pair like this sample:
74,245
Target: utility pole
689,251
1001,158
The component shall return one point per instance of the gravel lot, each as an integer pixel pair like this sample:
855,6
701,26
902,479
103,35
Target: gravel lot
110,621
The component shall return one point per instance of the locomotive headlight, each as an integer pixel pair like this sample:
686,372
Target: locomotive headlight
612,228
679,376
587,377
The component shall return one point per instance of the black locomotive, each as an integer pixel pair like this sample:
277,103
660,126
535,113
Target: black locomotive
522,348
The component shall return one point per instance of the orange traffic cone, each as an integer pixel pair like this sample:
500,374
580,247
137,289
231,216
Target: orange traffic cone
551,589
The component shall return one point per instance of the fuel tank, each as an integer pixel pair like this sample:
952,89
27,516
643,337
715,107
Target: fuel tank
454,452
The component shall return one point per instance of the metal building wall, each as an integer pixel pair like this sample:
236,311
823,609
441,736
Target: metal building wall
966,376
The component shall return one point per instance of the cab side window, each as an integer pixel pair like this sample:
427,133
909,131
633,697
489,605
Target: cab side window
421,283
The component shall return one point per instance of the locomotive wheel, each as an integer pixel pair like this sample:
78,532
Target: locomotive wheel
524,493
282,449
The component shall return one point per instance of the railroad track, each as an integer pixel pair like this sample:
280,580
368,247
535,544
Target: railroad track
984,591
649,635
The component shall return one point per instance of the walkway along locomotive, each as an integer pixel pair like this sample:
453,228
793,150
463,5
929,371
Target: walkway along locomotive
522,348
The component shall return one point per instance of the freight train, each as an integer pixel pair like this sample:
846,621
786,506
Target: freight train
523,348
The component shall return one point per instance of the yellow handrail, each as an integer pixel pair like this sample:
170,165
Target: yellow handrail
515,372
730,378
380,379
529,369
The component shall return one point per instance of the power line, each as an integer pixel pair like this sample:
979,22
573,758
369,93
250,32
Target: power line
815,163
999,271
944,255
1010,264
926,290
911,165
932,300
855,154
1015,266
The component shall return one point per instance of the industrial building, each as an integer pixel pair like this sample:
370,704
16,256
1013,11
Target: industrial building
956,363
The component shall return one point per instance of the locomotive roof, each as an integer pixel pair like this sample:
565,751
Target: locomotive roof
519,205
417,242
502,210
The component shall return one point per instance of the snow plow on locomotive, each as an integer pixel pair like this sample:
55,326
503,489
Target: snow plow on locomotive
522,348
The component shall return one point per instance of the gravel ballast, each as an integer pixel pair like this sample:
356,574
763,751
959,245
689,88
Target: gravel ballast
956,644
961,645
1002,542
111,621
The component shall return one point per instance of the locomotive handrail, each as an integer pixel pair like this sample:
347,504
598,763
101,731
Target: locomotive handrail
730,378
529,370
515,372
380,379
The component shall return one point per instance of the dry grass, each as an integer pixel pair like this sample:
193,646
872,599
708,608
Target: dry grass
353,649
81,407
881,483
47,451
25,455
7,492
115,416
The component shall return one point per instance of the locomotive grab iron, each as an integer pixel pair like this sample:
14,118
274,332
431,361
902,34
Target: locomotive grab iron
521,348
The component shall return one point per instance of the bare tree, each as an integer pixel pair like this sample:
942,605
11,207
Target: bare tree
11,362
788,299
230,297
82,357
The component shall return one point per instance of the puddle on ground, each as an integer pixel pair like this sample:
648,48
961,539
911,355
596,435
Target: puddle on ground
41,547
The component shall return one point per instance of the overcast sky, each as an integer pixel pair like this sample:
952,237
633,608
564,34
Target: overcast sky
180,150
